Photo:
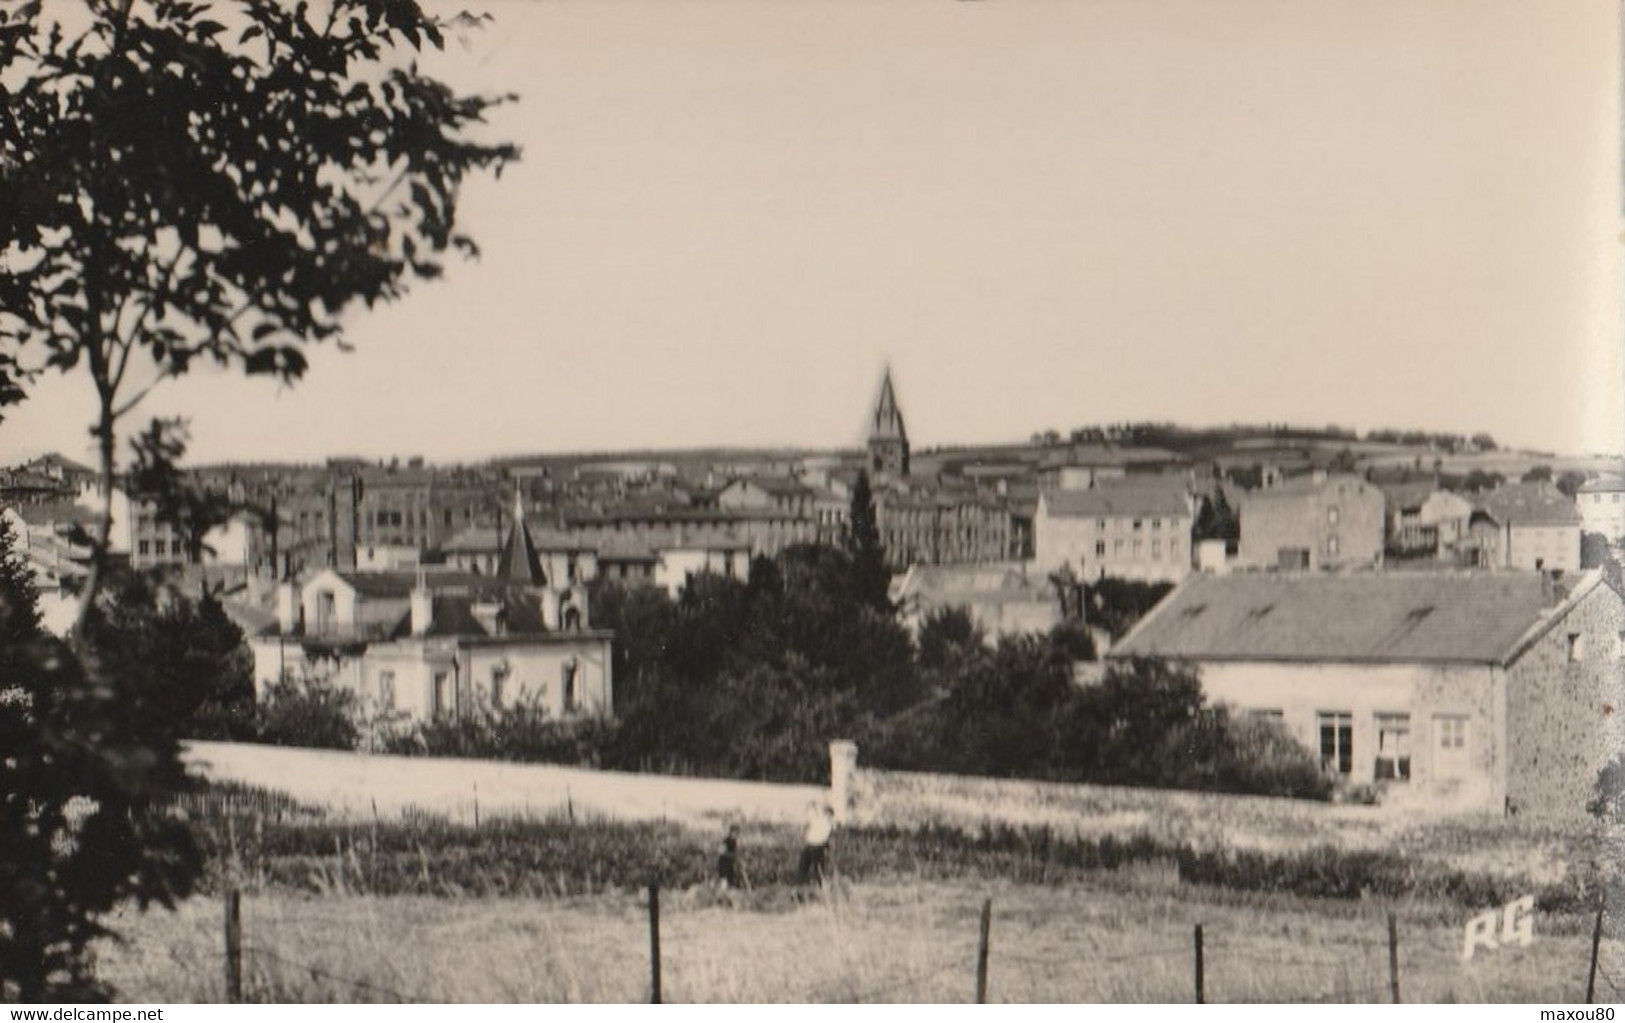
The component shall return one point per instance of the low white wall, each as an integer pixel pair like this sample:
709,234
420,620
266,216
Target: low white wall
351,784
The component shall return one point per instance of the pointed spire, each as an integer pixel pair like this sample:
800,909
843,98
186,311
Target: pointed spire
888,439
888,422
520,563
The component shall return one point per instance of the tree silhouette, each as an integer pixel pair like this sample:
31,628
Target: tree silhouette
871,579
176,191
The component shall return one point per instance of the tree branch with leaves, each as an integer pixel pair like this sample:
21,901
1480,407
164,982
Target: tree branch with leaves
216,182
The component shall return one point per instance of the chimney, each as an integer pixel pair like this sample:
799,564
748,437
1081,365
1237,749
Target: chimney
422,607
287,607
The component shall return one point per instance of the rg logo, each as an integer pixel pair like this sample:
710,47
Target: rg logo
1517,921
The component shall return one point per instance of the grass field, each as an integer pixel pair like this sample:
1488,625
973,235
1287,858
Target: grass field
1126,938
410,906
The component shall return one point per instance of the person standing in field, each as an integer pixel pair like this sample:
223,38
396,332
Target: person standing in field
815,844
730,871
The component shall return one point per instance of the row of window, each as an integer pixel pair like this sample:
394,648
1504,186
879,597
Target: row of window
1392,758
1136,549
1136,525
443,695
1613,498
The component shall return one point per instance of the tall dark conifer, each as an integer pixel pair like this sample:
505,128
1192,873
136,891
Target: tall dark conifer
871,580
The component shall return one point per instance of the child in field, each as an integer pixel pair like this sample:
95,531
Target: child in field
815,844
730,872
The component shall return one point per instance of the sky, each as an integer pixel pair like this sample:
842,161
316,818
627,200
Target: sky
732,215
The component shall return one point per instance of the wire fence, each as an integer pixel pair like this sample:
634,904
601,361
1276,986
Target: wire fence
1230,969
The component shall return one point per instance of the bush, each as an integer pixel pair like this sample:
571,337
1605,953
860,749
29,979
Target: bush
308,712
1608,801
520,732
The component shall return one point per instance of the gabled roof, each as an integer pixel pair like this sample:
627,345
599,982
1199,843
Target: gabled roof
1112,498
1387,617
1529,504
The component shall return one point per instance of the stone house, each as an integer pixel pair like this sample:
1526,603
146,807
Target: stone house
1312,523
1003,599
1530,526
1602,507
1451,690
1119,529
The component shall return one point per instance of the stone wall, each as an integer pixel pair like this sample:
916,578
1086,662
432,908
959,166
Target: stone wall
1565,709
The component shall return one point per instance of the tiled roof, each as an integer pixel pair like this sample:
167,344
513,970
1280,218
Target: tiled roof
1407,495
398,584
1303,486
54,513
980,580
1113,499
1529,504
1603,485
474,540
779,486
1377,617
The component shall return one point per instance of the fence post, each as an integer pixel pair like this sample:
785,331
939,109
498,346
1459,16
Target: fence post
654,944
981,952
1201,979
234,946
1596,942
1393,958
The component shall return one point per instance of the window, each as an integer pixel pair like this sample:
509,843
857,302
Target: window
1331,545
1117,548
1577,647
1393,748
159,547
1100,524
1615,498
1156,523
1619,646
1332,515
142,547
499,684
1100,548
1267,714
1156,549
1337,741
386,690
572,669
1138,547
442,695
1450,745
1138,523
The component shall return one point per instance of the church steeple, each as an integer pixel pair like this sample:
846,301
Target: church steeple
520,563
888,439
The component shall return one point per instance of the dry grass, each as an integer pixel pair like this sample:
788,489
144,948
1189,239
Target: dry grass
1127,940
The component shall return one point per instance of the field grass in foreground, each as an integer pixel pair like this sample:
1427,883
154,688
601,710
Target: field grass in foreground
1130,941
